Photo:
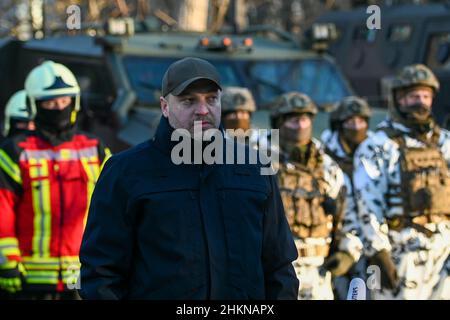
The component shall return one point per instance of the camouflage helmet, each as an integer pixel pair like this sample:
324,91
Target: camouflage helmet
409,77
415,75
291,103
350,106
237,98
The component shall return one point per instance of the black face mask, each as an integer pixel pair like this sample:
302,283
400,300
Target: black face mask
54,120
416,114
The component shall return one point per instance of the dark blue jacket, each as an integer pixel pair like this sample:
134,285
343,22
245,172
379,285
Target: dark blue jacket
157,230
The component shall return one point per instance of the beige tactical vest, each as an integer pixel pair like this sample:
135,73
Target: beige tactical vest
425,178
302,190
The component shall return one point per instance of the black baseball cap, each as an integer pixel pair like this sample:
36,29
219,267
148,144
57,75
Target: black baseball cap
182,73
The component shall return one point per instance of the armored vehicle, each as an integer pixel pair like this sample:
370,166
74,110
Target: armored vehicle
120,75
409,34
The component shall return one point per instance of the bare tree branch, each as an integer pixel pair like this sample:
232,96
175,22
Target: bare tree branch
221,8
123,8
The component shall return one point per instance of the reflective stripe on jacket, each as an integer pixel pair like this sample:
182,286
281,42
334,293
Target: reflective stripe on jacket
45,193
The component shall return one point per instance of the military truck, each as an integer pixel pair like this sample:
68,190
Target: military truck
409,34
120,75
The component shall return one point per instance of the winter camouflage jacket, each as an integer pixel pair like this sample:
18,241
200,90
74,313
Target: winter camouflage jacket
377,169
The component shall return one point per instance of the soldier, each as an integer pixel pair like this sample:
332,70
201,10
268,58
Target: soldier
237,108
403,192
46,180
311,186
17,115
349,124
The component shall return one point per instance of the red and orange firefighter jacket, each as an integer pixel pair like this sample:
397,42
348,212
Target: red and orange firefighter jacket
45,193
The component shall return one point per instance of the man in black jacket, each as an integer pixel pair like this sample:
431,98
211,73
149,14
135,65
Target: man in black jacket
158,230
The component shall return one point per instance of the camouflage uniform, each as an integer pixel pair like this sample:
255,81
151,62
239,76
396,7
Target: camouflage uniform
336,148
402,184
309,189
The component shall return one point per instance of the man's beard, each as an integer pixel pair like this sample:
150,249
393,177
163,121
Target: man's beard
197,126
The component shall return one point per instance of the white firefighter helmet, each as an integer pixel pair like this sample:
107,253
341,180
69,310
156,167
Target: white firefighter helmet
16,108
50,80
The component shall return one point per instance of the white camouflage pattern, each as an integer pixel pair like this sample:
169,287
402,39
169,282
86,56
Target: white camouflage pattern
420,261
351,230
352,241
314,284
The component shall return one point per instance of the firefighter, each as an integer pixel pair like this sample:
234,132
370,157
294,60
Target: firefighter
17,115
46,181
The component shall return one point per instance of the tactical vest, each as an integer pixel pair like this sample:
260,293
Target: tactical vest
303,189
425,178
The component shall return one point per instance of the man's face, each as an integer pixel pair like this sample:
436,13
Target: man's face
239,119
298,122
199,102
420,95
297,129
355,123
58,103
354,130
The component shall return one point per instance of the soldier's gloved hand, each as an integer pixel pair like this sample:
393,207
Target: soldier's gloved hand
338,263
389,277
11,276
330,206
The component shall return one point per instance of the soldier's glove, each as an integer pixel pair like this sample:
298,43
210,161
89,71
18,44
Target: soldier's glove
389,278
11,276
338,263
329,205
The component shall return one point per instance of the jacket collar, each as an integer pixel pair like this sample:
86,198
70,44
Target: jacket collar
390,123
162,137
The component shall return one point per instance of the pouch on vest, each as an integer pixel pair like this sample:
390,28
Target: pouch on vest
425,182
302,193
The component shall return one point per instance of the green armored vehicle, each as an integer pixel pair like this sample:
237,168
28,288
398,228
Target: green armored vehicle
120,76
